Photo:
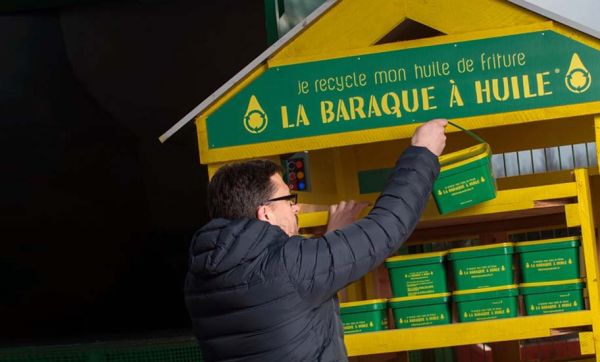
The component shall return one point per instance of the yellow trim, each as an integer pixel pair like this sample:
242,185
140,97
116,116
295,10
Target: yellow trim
468,15
417,297
418,43
546,241
347,25
227,154
597,137
416,256
551,283
485,290
310,219
464,157
390,133
450,335
481,247
362,302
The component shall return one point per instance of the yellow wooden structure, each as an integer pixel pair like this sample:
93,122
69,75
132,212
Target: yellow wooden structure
557,199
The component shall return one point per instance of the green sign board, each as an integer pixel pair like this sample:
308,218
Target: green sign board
398,87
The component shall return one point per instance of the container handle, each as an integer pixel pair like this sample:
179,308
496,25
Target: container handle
470,133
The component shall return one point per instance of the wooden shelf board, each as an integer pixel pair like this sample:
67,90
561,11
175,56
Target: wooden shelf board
457,334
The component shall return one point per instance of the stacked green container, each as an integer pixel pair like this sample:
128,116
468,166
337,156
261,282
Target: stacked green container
483,277
421,310
550,273
549,260
483,266
364,316
417,274
553,297
486,303
419,287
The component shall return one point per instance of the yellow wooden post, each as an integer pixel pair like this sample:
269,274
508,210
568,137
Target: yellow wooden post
597,128
212,168
589,251
347,188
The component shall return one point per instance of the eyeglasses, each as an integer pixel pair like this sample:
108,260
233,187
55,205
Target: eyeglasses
292,198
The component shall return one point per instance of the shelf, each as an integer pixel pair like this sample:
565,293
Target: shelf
513,203
464,333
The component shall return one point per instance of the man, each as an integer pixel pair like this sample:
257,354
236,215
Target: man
257,291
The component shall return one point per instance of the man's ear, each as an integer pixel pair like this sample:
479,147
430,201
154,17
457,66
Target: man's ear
262,213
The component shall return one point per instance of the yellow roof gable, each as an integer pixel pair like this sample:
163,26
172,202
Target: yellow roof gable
352,26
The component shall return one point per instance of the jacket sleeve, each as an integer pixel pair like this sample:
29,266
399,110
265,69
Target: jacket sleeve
319,267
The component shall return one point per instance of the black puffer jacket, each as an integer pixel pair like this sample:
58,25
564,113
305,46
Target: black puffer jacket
255,294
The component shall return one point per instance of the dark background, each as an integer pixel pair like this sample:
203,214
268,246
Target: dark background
96,214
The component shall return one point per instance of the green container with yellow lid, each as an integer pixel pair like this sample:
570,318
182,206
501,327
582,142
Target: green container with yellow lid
553,297
549,260
465,177
364,316
482,266
417,274
421,310
487,303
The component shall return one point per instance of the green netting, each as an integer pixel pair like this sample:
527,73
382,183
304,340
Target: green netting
152,350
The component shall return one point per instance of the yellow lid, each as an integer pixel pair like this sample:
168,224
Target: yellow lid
417,297
362,302
481,247
547,284
546,241
485,290
416,256
462,157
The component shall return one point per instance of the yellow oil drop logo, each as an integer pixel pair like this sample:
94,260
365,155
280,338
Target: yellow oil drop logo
255,119
578,78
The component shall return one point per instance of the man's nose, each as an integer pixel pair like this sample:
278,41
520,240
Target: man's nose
295,208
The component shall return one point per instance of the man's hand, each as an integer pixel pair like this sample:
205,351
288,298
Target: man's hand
431,135
344,213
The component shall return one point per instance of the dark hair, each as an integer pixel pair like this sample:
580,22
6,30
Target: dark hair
238,189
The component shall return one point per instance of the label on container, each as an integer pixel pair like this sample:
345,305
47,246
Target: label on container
421,320
487,313
419,282
363,326
461,187
482,271
563,303
548,264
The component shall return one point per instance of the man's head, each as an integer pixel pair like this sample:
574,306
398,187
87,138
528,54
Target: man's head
253,189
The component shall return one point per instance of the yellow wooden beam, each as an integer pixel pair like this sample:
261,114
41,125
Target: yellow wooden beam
468,16
508,200
597,134
572,215
349,24
586,343
505,201
463,333
312,219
